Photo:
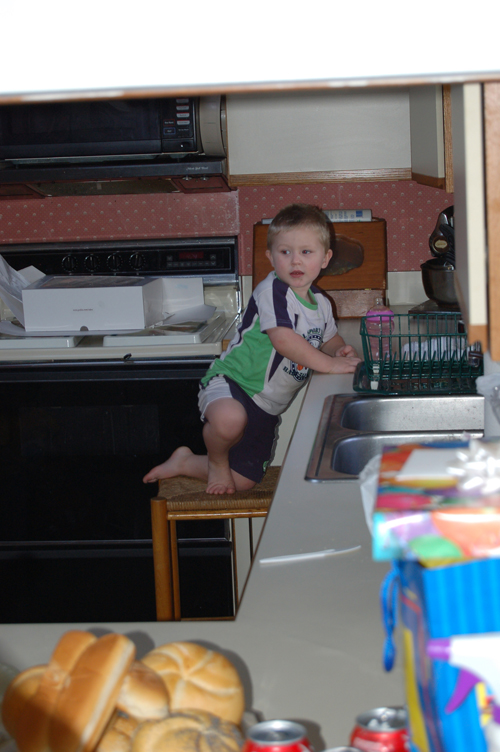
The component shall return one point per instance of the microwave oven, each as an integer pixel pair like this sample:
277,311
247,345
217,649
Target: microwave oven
115,129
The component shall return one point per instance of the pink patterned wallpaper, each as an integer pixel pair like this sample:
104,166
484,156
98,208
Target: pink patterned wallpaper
409,209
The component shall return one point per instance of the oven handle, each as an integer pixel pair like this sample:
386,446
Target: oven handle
105,549
129,370
74,549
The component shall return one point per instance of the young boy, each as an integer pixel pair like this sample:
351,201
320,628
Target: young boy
286,330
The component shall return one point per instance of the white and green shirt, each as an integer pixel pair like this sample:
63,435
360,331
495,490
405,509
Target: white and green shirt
250,360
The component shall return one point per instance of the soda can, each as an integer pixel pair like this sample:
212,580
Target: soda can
342,749
381,730
277,736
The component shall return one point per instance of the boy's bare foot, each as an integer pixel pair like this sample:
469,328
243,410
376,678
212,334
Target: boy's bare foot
175,465
220,479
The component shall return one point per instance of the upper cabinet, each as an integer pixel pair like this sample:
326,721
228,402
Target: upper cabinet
315,136
319,135
431,136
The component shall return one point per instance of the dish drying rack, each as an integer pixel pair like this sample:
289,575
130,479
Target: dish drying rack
424,354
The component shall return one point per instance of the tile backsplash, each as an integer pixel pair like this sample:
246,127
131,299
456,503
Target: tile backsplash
409,209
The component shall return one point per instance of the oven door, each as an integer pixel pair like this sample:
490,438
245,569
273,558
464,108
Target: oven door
76,441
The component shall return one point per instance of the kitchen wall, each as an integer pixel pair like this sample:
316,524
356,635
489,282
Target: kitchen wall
410,210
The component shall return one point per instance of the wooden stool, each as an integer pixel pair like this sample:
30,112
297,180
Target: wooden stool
184,498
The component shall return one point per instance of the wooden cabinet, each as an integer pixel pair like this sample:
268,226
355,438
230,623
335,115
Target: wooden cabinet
341,135
431,136
318,136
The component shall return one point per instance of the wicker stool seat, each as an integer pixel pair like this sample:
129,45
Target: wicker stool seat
184,498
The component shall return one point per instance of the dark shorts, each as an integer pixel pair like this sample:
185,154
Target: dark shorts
253,453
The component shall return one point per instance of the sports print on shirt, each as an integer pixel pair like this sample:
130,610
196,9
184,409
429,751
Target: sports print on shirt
300,373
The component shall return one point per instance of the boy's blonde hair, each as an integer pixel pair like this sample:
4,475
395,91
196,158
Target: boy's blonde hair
302,215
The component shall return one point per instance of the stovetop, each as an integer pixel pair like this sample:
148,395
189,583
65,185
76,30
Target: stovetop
214,260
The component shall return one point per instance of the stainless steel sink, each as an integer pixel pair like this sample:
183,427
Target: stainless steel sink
354,428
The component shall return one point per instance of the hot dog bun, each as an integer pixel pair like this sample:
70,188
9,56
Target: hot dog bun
86,705
199,678
32,728
19,691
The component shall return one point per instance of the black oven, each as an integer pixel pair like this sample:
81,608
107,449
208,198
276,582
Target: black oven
76,531
76,438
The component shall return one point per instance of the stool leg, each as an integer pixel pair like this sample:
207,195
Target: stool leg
176,590
161,560
250,538
236,594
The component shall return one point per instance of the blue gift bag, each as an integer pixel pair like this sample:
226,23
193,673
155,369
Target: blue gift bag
457,599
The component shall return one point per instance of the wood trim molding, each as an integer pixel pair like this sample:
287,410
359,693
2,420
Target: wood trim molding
329,176
448,140
429,180
194,90
492,160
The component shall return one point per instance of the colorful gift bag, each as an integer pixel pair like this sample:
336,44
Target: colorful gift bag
442,601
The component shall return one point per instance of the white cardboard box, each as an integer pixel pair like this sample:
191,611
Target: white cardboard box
58,304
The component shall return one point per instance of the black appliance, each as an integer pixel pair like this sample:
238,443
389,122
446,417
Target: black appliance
438,273
442,238
79,429
105,129
179,138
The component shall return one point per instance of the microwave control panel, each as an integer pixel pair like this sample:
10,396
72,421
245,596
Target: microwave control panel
179,126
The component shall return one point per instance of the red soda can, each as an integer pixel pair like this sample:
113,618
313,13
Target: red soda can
381,730
277,736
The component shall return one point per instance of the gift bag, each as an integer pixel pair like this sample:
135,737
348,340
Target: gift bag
434,602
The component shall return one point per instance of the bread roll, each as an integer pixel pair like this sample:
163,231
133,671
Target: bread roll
143,694
32,728
199,678
188,731
19,691
118,736
86,705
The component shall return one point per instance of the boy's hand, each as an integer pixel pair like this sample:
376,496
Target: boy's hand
344,364
346,351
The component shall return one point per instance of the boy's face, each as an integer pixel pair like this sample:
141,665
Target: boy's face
298,256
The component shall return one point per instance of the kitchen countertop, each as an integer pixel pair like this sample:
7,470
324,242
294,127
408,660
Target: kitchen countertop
308,638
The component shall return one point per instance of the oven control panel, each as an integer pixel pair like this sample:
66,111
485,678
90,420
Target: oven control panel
194,259
153,258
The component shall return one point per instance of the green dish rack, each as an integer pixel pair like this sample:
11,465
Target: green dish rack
424,354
